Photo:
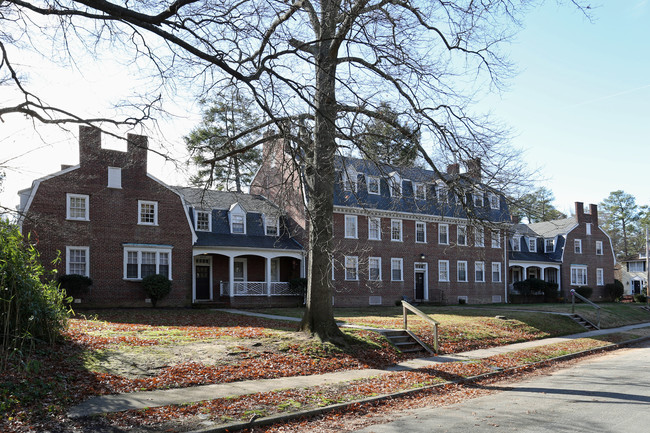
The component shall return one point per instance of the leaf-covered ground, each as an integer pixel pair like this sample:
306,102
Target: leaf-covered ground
118,351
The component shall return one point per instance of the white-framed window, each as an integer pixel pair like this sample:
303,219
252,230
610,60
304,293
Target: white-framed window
420,232
496,272
374,228
495,203
396,269
600,277
532,245
395,185
549,245
461,271
516,243
478,199
496,239
599,248
114,177
479,272
396,230
461,235
374,268
351,226
443,270
479,236
271,226
77,260
148,212
636,266
238,223
588,228
443,234
374,185
349,179
142,261
420,190
578,275
77,207
351,268
577,246
203,220
442,193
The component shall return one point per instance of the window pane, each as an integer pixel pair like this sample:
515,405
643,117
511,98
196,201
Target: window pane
238,224
351,268
203,221
148,264
78,207
374,228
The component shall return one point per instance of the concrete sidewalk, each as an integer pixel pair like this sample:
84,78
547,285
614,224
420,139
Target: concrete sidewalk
140,400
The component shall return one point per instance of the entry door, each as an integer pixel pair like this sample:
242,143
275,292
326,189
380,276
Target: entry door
202,283
419,285
636,287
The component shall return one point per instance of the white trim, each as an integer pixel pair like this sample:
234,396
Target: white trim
401,268
209,264
155,212
186,207
239,251
196,220
378,238
446,262
351,222
600,277
477,265
584,270
602,249
577,243
244,262
355,260
401,230
446,226
139,249
86,199
236,210
87,257
458,263
421,267
499,265
424,232
378,259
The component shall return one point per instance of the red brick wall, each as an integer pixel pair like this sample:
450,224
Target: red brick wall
588,256
357,293
113,220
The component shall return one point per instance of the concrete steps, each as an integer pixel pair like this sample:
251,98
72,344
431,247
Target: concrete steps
405,342
583,322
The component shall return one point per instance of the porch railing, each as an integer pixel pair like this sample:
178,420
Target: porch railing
406,307
575,294
256,288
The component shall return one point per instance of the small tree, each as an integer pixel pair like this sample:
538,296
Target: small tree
157,287
615,290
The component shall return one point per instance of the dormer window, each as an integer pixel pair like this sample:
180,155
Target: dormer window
494,201
395,183
532,245
442,193
349,179
420,190
478,199
516,243
271,226
237,219
203,221
549,245
374,185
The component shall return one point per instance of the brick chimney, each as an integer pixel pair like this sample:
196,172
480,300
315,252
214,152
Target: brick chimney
137,151
453,169
474,169
90,143
91,152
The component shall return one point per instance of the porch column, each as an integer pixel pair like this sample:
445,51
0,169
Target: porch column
231,276
541,273
268,276
524,275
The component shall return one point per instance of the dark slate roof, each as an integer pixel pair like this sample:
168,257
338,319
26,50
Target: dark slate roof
539,256
257,207
407,202
199,198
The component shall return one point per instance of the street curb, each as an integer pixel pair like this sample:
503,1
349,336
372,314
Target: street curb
272,419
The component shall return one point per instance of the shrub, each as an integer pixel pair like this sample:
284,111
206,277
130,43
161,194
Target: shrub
298,286
550,290
156,287
523,287
584,291
31,306
75,285
640,297
615,290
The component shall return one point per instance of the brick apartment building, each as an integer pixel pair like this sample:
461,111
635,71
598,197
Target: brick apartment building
398,232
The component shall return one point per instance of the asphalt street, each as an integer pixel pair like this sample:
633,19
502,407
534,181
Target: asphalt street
607,394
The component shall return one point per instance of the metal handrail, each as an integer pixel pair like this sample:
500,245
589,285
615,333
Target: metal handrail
408,307
585,300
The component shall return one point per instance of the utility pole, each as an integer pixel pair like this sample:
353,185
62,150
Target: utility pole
647,269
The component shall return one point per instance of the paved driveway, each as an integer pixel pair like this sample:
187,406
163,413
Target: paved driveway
607,394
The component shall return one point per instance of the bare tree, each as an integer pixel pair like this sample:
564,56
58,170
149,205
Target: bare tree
316,66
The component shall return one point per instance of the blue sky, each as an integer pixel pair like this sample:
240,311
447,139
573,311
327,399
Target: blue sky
579,107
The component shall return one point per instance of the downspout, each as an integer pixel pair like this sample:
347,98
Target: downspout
506,266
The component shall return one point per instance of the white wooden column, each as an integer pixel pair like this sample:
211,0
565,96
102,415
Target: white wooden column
541,273
231,276
268,276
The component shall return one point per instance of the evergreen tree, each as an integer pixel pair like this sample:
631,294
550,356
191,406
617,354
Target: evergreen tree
386,139
537,206
215,145
620,215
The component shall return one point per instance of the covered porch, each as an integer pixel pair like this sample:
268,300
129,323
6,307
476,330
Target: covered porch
519,271
238,276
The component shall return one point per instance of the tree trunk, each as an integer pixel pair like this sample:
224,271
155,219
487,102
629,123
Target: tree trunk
318,319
